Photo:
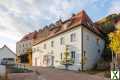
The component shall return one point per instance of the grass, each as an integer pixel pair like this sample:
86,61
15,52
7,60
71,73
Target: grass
20,70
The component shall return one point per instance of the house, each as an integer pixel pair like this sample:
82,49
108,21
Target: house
24,49
78,35
7,56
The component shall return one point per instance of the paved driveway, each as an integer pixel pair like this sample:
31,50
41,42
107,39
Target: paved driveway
53,74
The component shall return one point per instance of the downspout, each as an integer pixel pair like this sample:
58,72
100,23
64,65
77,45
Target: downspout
82,49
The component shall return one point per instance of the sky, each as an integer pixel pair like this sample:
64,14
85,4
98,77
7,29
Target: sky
20,17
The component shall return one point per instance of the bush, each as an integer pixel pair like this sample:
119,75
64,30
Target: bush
20,70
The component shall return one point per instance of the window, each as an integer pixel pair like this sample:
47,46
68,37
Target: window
52,43
87,37
52,52
23,45
23,50
84,54
45,46
98,50
73,54
97,40
72,37
62,40
37,49
61,56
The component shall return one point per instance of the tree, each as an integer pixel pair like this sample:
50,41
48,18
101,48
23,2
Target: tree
107,27
67,60
115,41
115,46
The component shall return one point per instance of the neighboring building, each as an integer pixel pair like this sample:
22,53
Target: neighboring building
79,34
7,56
24,49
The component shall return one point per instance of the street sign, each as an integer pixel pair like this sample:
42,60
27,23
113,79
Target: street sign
115,75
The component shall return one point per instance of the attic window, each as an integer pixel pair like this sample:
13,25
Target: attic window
59,22
66,25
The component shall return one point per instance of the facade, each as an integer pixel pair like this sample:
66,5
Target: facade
24,49
7,56
78,35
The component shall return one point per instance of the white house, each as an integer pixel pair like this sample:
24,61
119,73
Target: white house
23,49
82,38
7,56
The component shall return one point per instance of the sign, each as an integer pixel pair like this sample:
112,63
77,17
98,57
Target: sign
115,75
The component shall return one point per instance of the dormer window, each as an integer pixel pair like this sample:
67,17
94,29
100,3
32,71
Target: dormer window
59,22
65,26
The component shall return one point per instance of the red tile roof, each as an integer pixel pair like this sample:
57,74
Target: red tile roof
48,32
79,19
29,36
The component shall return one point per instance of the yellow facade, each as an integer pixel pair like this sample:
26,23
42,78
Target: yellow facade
29,57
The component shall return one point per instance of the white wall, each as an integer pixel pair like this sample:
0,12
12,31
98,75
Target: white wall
6,53
21,47
58,48
2,70
91,47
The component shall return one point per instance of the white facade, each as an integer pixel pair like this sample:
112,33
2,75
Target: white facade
7,54
23,46
93,46
2,70
83,40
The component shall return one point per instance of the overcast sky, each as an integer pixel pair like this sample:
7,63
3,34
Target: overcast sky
19,17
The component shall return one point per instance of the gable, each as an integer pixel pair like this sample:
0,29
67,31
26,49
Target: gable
5,52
